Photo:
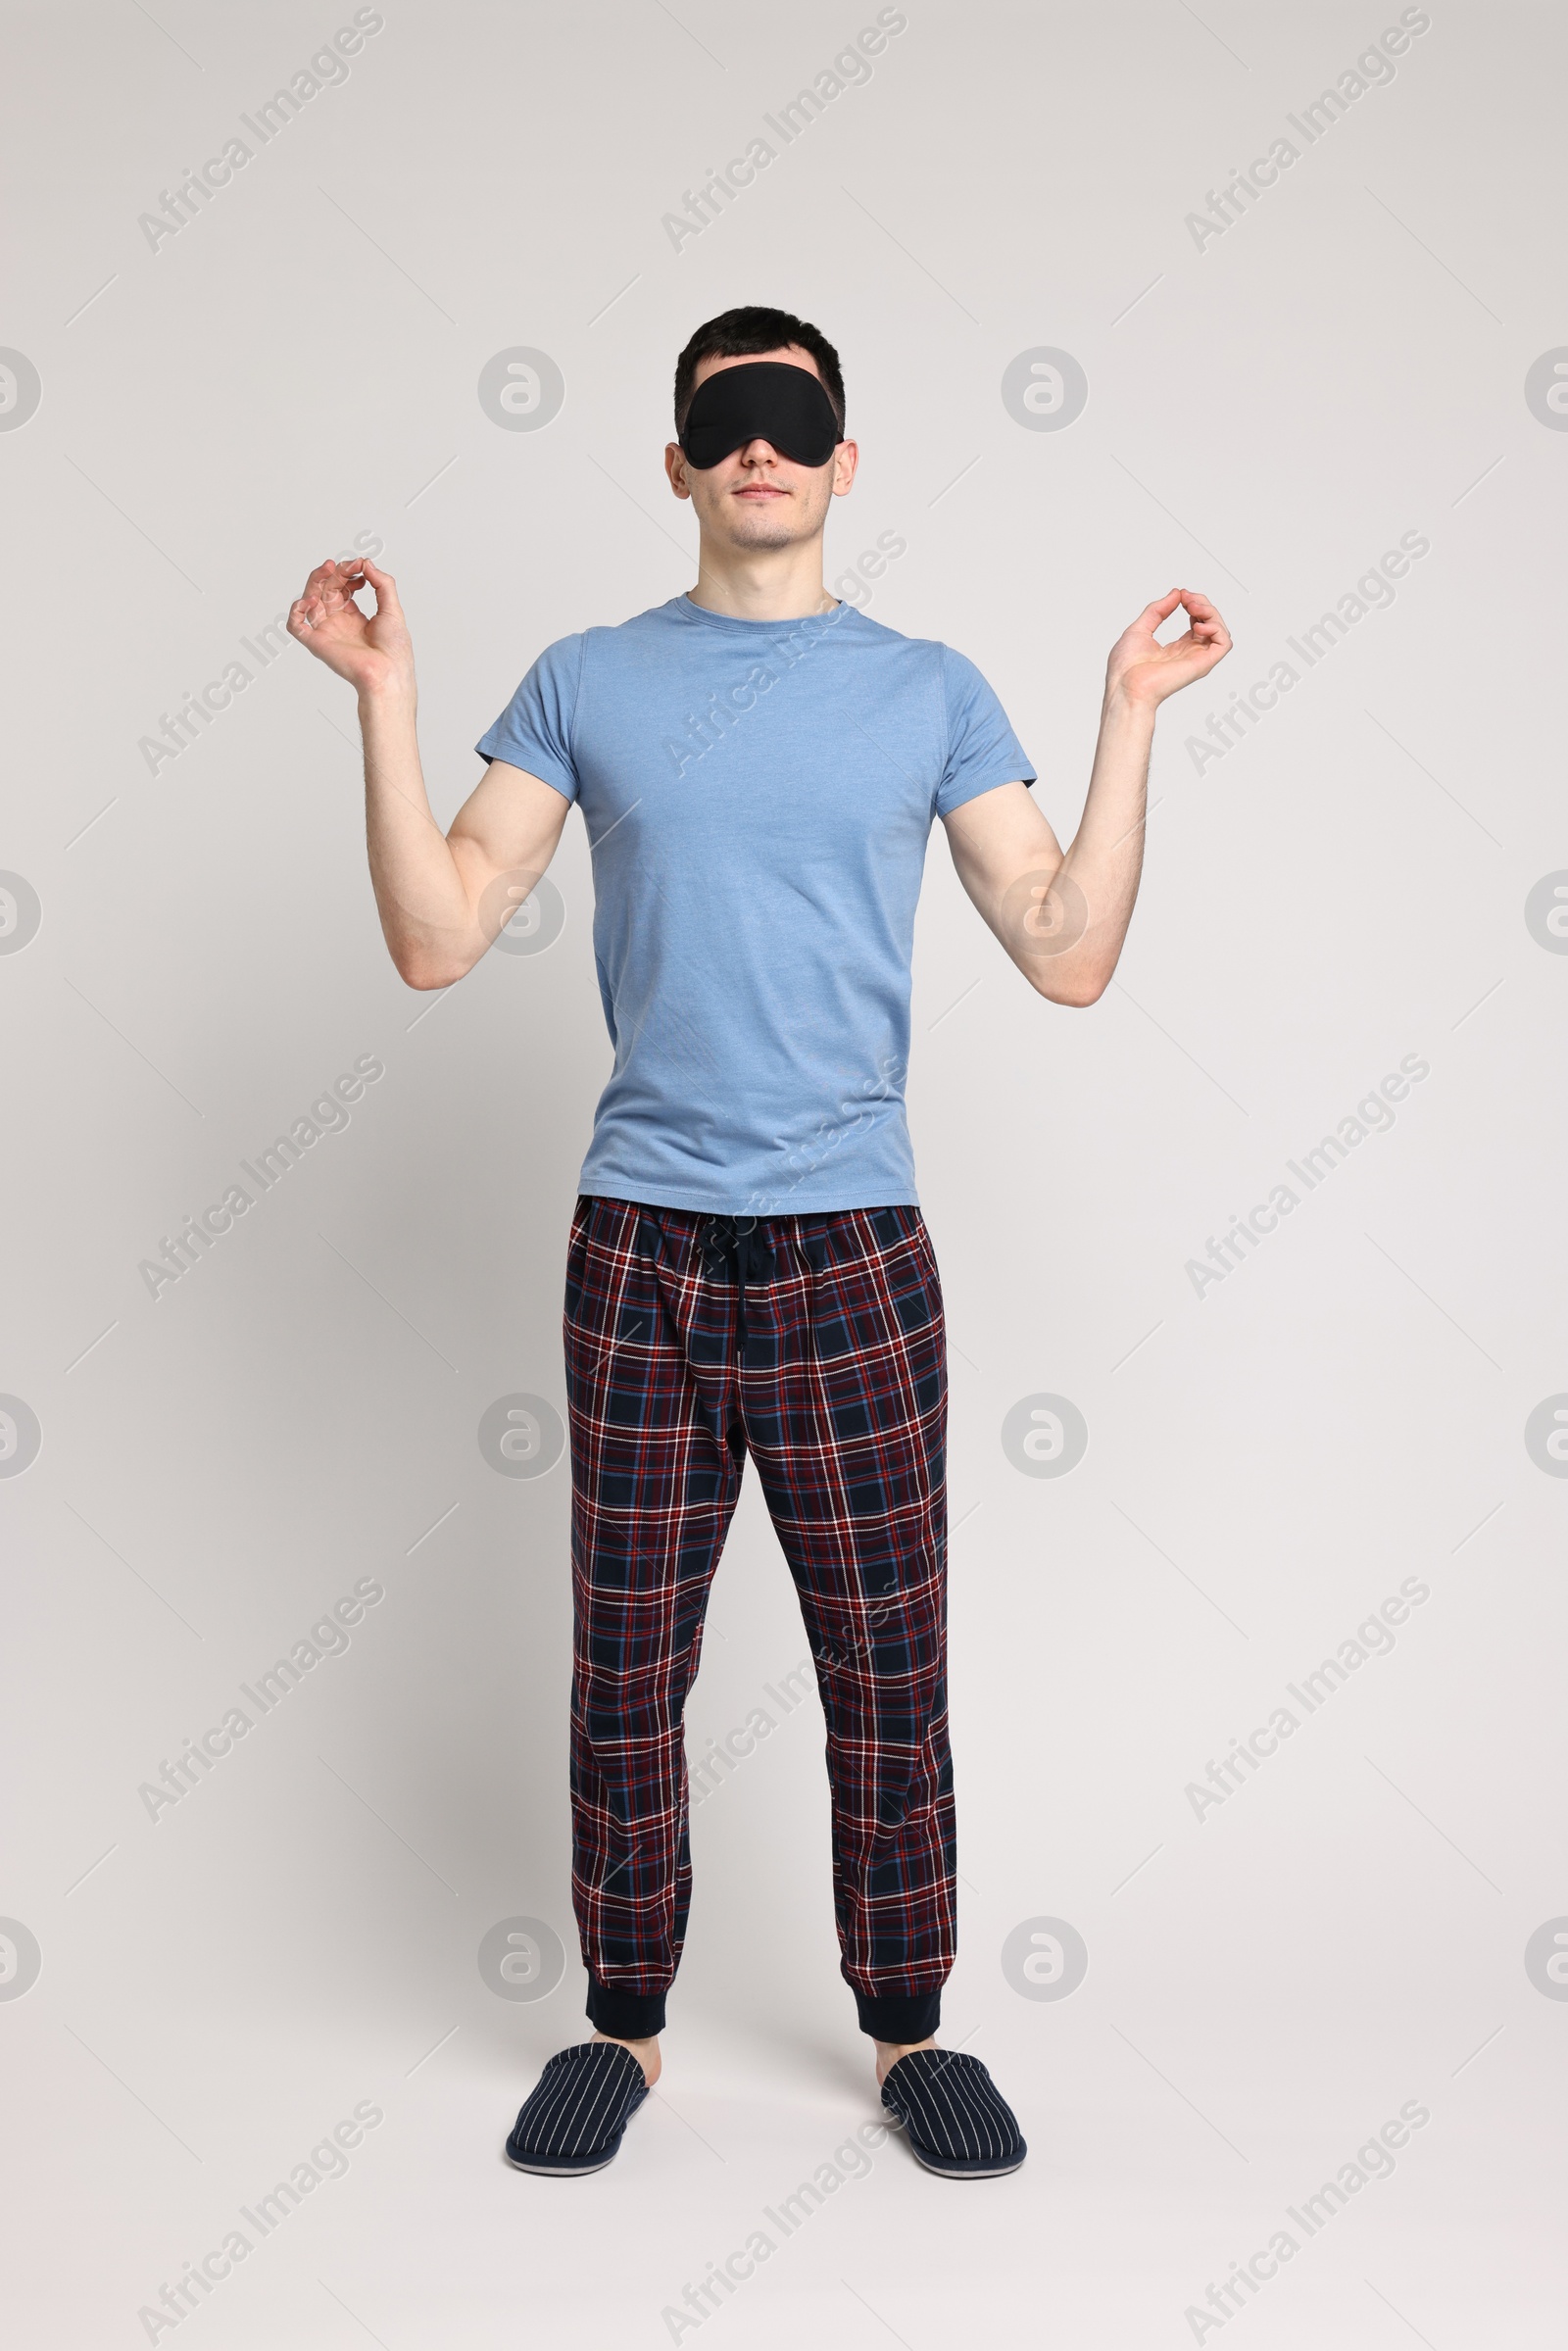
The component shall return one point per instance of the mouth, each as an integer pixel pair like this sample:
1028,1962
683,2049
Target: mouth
759,490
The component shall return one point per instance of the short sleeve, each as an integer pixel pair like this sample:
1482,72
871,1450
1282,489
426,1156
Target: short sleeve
535,731
982,750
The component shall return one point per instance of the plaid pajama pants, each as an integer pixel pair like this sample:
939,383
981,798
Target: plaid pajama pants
817,1345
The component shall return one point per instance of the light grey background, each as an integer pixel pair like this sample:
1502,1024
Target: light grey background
1266,415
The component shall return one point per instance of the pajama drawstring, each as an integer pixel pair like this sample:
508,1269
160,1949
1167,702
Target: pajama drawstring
734,1242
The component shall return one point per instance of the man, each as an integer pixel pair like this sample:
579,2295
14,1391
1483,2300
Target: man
759,768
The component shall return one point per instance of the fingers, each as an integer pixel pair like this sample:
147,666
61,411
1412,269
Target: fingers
329,595
1161,608
322,591
328,591
1193,598
310,608
384,586
1206,624
1206,629
344,578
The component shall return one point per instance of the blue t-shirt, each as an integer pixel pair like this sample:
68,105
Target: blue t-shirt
757,795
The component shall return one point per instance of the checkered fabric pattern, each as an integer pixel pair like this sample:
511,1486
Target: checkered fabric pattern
840,1398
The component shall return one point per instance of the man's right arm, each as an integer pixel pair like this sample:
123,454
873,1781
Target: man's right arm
442,898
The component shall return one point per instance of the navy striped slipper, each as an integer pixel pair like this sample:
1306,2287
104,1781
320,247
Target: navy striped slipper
575,2118
954,2117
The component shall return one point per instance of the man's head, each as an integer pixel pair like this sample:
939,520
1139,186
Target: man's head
756,496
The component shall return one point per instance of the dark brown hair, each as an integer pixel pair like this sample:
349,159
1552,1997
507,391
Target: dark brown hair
746,333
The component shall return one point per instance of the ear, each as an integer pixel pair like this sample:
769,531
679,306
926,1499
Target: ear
675,468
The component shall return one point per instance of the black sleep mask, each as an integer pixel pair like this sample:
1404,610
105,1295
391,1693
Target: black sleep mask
766,400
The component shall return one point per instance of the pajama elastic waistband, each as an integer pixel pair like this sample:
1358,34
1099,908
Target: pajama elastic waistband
746,1250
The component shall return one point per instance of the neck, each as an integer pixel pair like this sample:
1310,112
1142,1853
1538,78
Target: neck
761,583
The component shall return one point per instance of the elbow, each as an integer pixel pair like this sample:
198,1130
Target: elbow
1077,991
428,959
426,972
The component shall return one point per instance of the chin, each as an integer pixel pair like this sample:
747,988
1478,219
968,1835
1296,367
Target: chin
777,522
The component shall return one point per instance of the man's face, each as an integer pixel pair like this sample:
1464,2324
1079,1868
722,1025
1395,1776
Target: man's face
756,497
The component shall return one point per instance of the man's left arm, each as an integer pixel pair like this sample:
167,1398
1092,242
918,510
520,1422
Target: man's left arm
1062,915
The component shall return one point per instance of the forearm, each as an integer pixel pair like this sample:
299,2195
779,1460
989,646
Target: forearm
1062,916
1105,858
426,914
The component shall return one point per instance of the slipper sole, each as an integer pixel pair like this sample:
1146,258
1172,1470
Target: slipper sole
566,2171
974,2171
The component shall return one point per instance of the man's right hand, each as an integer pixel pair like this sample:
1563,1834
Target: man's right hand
372,652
